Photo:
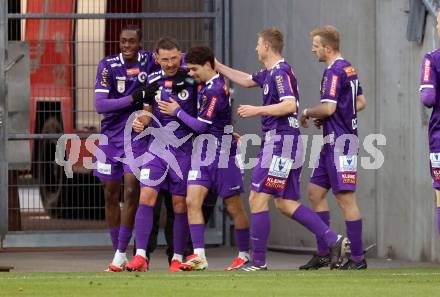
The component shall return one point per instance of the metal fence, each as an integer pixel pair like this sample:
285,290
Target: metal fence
49,52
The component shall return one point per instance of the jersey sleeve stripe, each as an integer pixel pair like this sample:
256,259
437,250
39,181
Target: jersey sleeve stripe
329,100
287,97
102,91
205,121
426,87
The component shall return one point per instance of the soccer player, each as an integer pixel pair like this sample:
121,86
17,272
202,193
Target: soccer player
117,80
430,98
170,165
341,98
275,174
214,118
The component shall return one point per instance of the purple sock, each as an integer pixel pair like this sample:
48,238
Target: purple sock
143,223
242,239
311,221
180,232
114,233
354,234
260,229
438,220
124,237
197,235
320,242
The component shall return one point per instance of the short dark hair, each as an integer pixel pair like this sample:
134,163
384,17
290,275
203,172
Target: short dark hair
167,43
133,27
274,37
200,55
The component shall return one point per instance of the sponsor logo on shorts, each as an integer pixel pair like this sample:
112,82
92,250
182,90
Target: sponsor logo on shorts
280,167
193,174
104,168
348,163
435,160
145,174
349,178
235,188
436,173
275,183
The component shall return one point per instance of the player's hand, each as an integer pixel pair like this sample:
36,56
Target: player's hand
179,80
145,94
137,125
303,119
318,123
248,111
169,108
236,136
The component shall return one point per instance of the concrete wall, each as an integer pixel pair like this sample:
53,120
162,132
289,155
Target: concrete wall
396,200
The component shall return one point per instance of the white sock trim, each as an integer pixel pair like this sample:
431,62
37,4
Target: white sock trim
141,252
178,257
200,252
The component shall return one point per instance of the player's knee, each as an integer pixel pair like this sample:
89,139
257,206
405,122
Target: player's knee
236,210
179,206
346,203
147,200
281,206
313,195
193,204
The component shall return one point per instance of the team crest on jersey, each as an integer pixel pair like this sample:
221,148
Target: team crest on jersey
266,89
142,77
183,95
121,86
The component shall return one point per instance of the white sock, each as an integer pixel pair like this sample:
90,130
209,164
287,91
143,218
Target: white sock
244,255
200,252
177,257
141,252
119,258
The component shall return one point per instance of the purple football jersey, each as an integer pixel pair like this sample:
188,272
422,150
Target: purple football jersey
429,79
214,105
118,79
278,83
340,85
187,100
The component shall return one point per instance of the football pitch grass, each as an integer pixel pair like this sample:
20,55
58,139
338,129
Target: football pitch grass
371,283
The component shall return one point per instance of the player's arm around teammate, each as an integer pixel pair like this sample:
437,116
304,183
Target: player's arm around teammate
214,118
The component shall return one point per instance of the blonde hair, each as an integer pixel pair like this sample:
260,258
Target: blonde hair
274,37
329,36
